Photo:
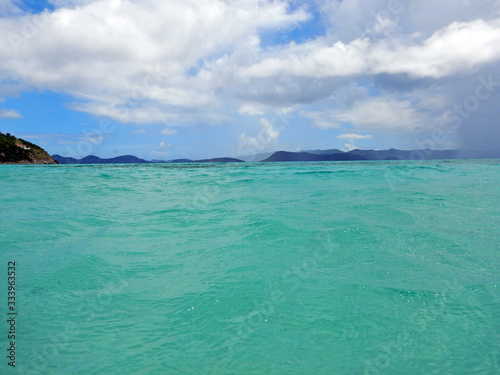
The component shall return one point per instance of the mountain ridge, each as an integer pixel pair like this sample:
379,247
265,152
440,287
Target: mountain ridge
92,159
130,159
358,155
303,156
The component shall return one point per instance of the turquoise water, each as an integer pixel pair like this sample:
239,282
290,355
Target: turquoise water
320,268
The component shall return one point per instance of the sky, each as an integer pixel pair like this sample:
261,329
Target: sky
168,79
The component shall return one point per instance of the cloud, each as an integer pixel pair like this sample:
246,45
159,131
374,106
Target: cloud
139,131
252,109
351,19
354,136
374,114
146,79
383,114
164,146
169,131
321,119
9,114
456,48
8,7
267,137
138,64
70,3
163,150
377,68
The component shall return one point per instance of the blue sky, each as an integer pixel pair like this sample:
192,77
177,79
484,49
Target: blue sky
165,79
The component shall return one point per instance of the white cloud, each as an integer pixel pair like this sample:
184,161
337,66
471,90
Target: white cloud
355,136
313,60
252,109
456,48
352,138
70,3
351,19
266,138
384,25
169,131
8,7
163,150
175,62
372,114
381,114
140,53
9,114
321,119
139,131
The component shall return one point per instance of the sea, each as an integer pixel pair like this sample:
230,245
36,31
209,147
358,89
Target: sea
255,268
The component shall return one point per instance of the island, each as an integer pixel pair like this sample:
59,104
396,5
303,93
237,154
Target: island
130,159
92,159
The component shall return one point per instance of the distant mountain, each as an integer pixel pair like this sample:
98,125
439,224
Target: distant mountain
256,157
18,151
324,152
394,154
485,154
91,159
302,156
130,159
357,155
284,156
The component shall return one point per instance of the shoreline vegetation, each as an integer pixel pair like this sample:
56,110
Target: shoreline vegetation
19,151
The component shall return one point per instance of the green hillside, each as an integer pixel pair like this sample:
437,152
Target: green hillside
19,151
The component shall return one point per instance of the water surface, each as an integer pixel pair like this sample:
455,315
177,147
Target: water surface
300,268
